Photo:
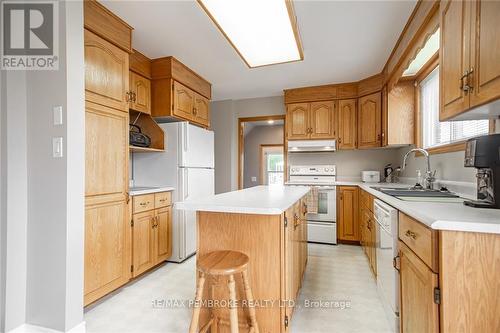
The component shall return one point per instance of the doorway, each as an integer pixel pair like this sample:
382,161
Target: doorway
261,151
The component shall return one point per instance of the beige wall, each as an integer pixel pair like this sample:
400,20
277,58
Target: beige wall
349,163
257,136
225,116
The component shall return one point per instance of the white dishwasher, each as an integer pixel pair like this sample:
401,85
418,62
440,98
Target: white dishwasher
387,252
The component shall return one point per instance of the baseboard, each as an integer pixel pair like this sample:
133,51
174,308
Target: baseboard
27,328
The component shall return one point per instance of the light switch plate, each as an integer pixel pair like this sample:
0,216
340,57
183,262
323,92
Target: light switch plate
254,179
57,147
57,115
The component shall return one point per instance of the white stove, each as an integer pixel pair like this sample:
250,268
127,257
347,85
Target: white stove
321,227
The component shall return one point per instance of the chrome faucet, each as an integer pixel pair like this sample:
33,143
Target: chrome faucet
429,175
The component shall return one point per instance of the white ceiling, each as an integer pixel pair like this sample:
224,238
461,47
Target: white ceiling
343,41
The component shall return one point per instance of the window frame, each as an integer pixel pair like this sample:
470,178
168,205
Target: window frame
446,148
263,174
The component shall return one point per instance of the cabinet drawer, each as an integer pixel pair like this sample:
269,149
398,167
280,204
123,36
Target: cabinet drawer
143,203
420,239
163,199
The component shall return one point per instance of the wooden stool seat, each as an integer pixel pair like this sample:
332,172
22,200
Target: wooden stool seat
223,263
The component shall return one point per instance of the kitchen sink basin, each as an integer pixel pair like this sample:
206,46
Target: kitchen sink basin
415,192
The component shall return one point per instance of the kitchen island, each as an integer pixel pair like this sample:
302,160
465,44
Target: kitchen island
267,223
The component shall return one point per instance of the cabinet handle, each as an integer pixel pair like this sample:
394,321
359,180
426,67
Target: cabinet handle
411,234
378,137
128,96
195,111
395,263
144,203
134,96
464,86
340,140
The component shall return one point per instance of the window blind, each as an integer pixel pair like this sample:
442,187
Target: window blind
436,133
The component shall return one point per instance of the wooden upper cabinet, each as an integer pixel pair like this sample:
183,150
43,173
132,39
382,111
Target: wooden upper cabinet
106,73
369,121
183,101
418,311
454,57
143,242
322,120
106,153
201,110
347,221
297,119
485,52
107,249
140,89
347,124
469,55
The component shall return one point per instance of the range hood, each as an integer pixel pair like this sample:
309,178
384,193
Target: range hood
300,146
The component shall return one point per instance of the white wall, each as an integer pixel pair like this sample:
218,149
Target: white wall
225,116
14,202
44,201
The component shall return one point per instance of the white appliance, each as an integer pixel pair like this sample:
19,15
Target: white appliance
387,254
187,165
321,227
297,146
370,176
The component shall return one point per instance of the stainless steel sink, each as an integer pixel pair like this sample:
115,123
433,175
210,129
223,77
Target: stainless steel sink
415,192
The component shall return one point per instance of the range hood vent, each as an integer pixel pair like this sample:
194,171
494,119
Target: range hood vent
300,146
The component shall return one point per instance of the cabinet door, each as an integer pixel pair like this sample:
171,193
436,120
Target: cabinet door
418,311
372,238
485,51
348,213
347,124
106,153
143,241
297,120
369,121
163,232
106,73
322,117
141,90
201,110
453,56
107,249
183,101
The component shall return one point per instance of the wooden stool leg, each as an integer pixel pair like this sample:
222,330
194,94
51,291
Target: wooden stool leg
196,311
233,310
249,297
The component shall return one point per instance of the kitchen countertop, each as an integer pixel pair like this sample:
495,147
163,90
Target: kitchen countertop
436,215
139,190
264,200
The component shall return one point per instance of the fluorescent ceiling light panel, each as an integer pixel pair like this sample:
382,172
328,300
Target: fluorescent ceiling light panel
263,32
425,54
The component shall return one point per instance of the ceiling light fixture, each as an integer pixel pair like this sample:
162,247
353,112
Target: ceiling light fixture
263,32
270,122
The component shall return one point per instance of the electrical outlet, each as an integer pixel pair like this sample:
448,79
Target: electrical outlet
57,115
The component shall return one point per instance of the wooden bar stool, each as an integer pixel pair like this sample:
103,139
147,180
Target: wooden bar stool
224,263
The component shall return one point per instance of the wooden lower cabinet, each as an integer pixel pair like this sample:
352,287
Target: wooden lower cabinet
418,311
151,233
277,248
367,229
347,213
107,249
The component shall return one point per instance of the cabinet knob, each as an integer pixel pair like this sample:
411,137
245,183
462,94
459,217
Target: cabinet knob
411,234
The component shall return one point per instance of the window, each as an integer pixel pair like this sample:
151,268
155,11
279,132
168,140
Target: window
436,133
273,165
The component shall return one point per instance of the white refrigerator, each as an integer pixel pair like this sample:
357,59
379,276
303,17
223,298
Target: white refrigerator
187,165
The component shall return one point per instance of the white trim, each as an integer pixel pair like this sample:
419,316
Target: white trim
27,328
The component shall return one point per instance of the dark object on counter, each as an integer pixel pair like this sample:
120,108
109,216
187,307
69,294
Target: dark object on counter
483,153
137,138
388,170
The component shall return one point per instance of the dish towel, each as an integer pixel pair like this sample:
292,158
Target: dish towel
312,200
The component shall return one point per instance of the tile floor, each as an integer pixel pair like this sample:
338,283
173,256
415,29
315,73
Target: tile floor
338,273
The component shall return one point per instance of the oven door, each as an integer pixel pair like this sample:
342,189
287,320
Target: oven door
327,201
